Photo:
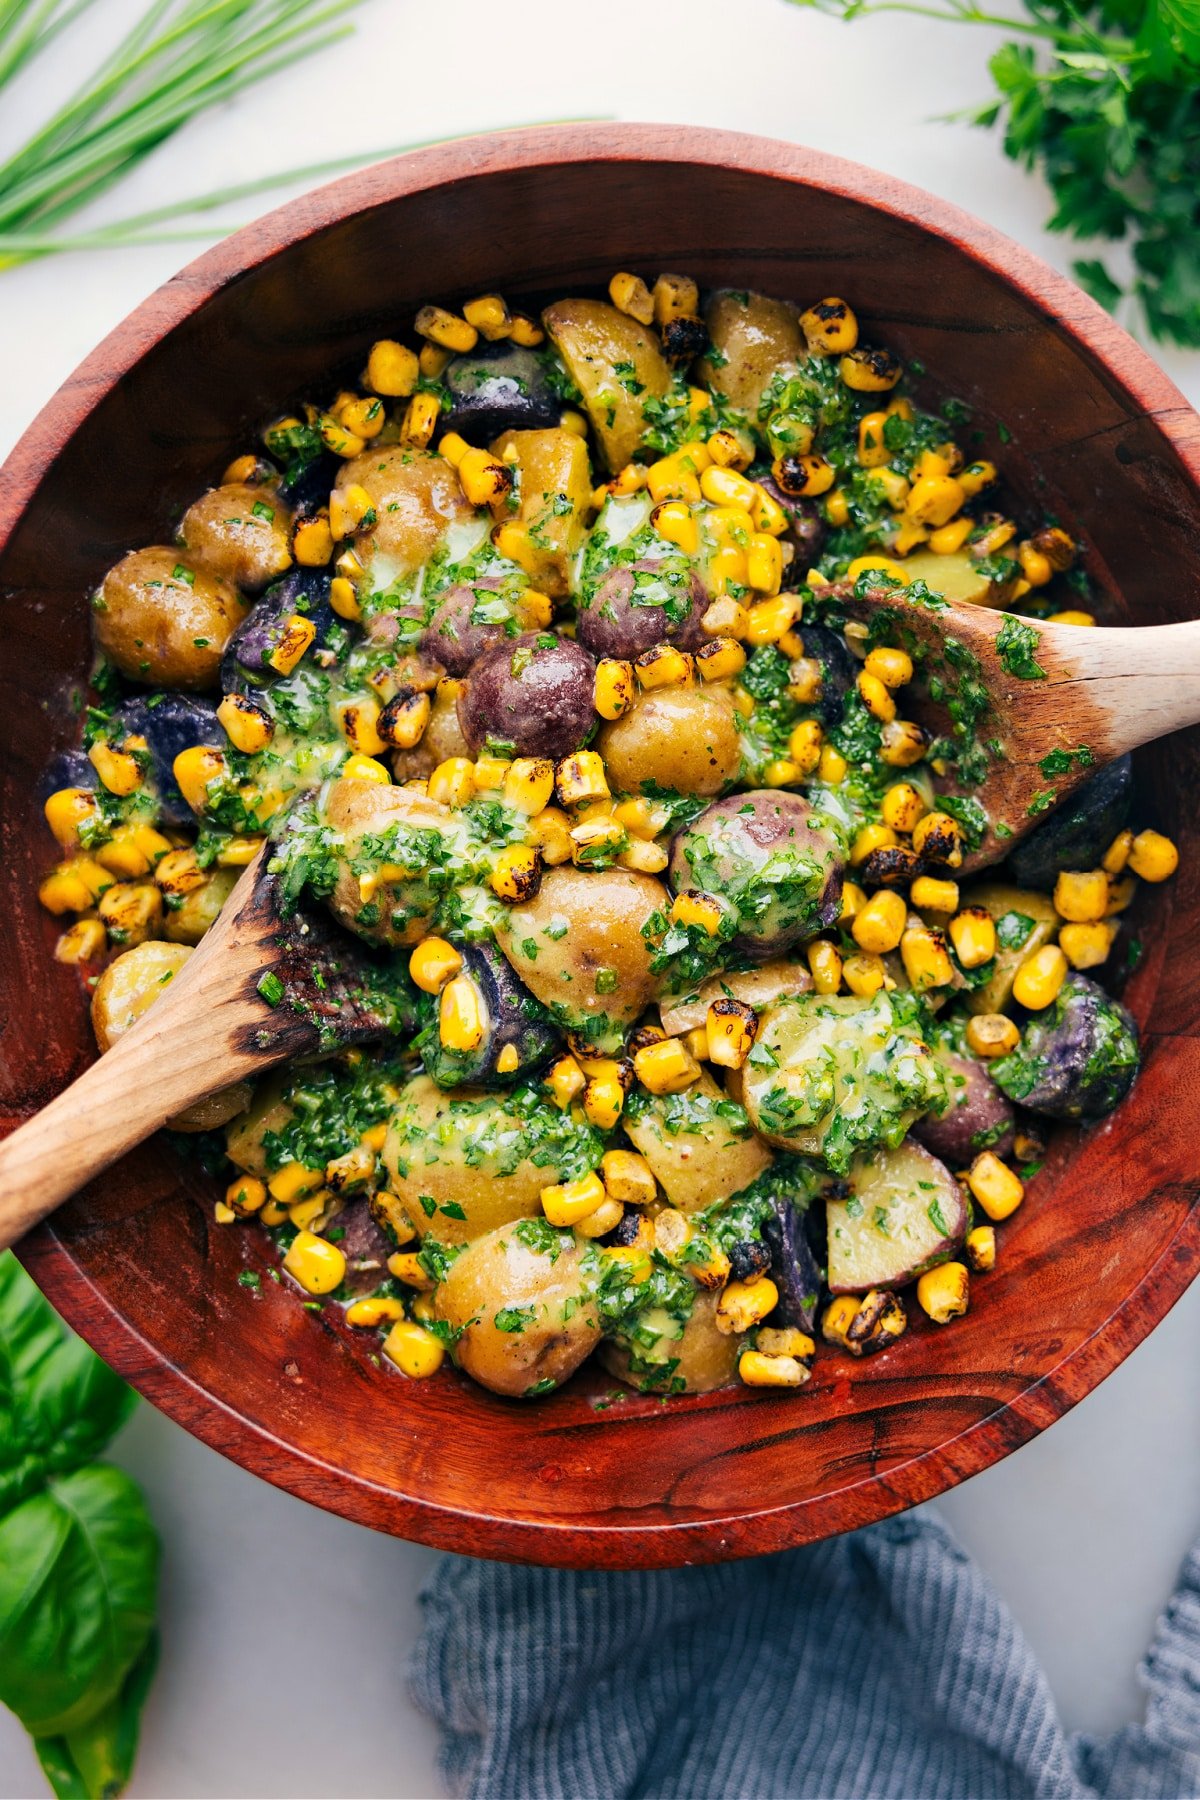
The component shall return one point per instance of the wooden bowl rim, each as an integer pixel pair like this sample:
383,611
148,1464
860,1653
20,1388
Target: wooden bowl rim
82,1302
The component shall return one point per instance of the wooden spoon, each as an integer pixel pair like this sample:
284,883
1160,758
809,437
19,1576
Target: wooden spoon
1062,700
212,1026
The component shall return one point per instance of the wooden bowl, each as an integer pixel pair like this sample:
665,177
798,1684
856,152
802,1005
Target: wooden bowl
1109,1236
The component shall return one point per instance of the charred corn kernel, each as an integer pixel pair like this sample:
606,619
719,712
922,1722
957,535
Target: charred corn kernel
947,539
726,617
364,416
298,633
902,806
879,1321
934,500
975,477
461,1020
491,772
785,1340
998,1189
929,893
64,891
840,1314
352,1170
376,1309
694,907
804,745
529,784
1081,895
745,1303
876,697
973,934
981,1249
671,1232
627,1178
892,667
643,858
825,962
67,810
517,873
524,331
566,1081
294,1182
832,766
452,783
1035,567
603,1101
365,768
830,328
725,487
675,521
903,743
730,1028
868,839
224,1215
119,772
131,911
83,941
550,833
666,1068
630,295
998,535
490,317
403,720
764,564
338,438
1056,546
1120,892
392,369
944,1293
433,963
730,525
416,1352
853,900
309,1212
446,329
767,622
387,1208
665,666
484,478
1087,946
730,450
804,477
926,959
349,567
1152,856
359,720
629,480
940,838
595,835
508,1061
580,779
312,541
870,371
1073,615
179,872
315,1264
873,452
406,1266
248,726
837,509
756,1369
565,1203
675,297
420,419
991,1034
606,1218
719,660
880,925
1039,978
864,973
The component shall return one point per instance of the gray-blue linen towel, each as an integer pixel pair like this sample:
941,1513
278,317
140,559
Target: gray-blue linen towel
879,1666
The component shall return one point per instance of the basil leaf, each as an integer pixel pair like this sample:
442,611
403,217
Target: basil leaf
97,1759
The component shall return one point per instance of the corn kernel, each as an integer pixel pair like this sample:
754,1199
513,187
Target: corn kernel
1120,892
830,328
837,508
873,452
630,295
132,912
876,697
65,891
420,419
309,1212
566,1081
973,934
643,858
433,963
902,806
880,925
82,942
944,1293
1035,567
529,784
981,1248
119,772
671,478
694,907
729,450
833,766
998,1189
359,720
767,622
246,1195
870,371
939,838
445,329
452,783
853,900
376,1309
756,1369
525,332
317,1265
490,317
248,726
298,633
461,1020
1072,615
767,514
66,810
764,564
864,973
840,1314
725,487
403,720
336,437
926,960
730,1028
392,369
224,1215
416,1352
665,666
1117,855
803,477
903,743
867,840
1081,896
875,563
675,521
293,1181
666,1068
549,832
491,773
975,477
580,779
1152,856
893,667
745,1303
365,768
720,659
933,500
603,1100
675,297
947,539
805,744
991,1034
1087,946
1039,978
406,1266
565,1203
726,617
517,873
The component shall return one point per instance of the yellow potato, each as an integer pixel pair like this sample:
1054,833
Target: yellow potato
416,497
269,1112
463,1150
707,1358
595,341
555,495
754,335
697,1156
165,621
398,909
197,911
523,1312
241,533
681,738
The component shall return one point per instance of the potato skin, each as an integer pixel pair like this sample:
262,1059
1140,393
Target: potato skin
707,1358
537,696
592,338
430,1134
734,840
695,1163
223,531
358,809
499,1272
754,335
441,738
416,496
681,738
197,911
128,988
161,629
604,911
977,1115
269,1112
609,624
556,494
453,639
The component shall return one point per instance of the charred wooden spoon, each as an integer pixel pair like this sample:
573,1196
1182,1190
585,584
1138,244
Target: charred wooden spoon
260,989
1038,707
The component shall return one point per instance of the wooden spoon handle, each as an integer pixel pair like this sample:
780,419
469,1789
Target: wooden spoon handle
1144,681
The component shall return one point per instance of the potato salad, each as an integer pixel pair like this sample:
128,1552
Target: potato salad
527,664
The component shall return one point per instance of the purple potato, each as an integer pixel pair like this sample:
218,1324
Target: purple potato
1077,1058
533,696
977,1116
839,669
497,388
793,1266
66,769
618,619
169,723
457,635
308,487
806,528
772,859
246,662
514,1021
365,1246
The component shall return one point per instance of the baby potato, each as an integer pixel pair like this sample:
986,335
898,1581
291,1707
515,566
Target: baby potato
269,1112
241,533
681,738
534,693
524,1312
165,621
578,945
596,341
555,494
753,335
128,987
416,497
399,909
197,911
695,1151
460,1152
706,1358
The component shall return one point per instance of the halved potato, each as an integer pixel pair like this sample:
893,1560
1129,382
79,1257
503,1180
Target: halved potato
617,366
904,1213
754,987
698,1149
957,578
752,336
555,495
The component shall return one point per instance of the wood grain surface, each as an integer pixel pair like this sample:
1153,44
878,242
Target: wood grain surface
1110,1233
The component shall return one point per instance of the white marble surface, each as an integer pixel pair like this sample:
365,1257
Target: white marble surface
285,1630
